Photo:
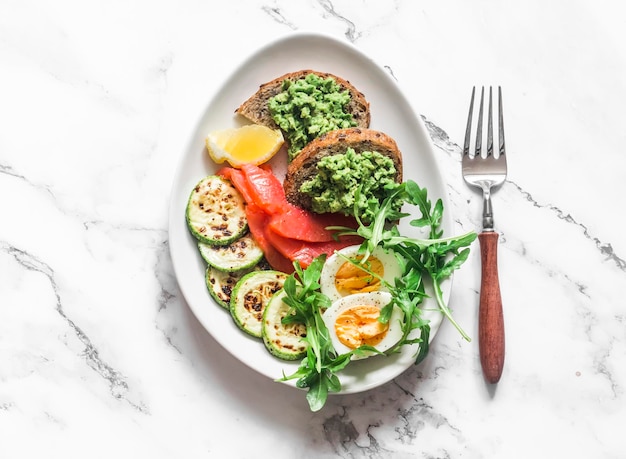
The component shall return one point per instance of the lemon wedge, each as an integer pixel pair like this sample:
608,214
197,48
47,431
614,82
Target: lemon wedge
250,144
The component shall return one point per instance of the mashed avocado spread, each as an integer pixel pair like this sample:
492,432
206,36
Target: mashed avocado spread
308,108
339,176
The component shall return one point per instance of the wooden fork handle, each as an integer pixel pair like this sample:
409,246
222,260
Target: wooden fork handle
490,316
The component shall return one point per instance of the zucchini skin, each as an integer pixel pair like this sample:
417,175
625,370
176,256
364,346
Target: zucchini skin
283,341
215,212
250,297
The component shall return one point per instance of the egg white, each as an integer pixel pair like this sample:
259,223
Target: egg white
378,299
390,264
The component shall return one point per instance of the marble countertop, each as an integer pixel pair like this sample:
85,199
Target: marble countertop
100,355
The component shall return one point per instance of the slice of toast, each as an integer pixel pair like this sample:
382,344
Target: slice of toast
303,167
255,108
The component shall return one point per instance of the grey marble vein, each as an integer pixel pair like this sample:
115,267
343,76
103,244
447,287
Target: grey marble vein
118,385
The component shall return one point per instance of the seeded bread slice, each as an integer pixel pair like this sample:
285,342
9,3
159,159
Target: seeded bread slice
303,167
255,108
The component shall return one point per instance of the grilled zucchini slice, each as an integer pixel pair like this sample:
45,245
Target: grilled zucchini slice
244,253
284,341
251,295
216,212
221,284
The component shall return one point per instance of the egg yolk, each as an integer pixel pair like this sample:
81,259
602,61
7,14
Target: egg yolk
351,278
359,326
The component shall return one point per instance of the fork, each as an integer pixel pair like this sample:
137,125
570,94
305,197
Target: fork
486,172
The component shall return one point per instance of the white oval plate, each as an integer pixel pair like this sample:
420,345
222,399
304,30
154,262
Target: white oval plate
391,113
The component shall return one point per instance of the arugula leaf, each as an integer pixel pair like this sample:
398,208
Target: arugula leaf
377,231
444,256
430,217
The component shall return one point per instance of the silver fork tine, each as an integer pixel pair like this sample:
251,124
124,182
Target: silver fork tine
479,126
500,121
468,129
490,127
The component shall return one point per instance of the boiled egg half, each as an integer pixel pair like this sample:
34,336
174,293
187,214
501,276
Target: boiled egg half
352,321
340,277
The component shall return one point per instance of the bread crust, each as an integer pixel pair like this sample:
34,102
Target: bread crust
256,110
303,167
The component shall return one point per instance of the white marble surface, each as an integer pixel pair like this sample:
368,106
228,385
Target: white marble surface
100,356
